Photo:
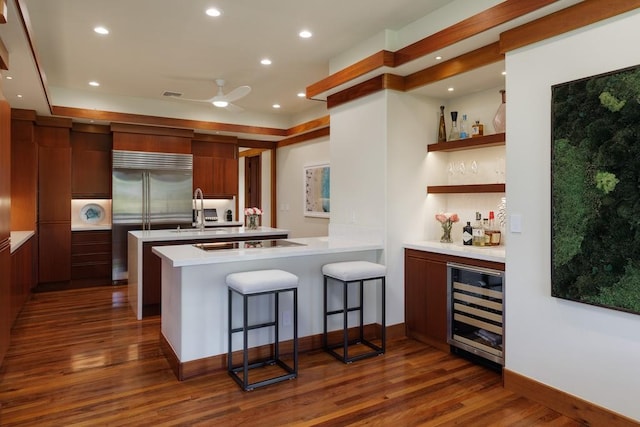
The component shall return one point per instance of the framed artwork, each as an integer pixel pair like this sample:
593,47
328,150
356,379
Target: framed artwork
595,190
316,190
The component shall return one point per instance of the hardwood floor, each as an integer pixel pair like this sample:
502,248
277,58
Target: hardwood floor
79,357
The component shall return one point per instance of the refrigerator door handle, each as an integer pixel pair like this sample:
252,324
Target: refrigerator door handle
145,200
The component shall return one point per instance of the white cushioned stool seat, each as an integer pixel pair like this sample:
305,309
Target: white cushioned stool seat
354,270
252,282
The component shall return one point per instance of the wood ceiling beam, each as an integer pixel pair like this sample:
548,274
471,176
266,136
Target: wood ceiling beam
110,116
375,84
469,61
3,11
307,126
476,24
577,16
4,56
360,68
314,134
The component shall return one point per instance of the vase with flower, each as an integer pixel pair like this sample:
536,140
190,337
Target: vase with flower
251,217
446,220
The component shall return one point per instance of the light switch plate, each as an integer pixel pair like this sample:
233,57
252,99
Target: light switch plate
515,223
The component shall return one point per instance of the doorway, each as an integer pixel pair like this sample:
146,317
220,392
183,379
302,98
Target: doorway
252,181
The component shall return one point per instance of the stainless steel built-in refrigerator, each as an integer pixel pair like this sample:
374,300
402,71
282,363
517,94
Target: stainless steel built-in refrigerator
150,190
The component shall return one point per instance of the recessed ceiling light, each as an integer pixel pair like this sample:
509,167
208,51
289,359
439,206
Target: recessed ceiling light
96,84
438,58
504,73
101,30
276,105
302,94
305,34
9,78
19,96
450,89
265,61
212,11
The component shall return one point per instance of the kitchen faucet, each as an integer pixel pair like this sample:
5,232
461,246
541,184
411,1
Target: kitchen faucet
200,212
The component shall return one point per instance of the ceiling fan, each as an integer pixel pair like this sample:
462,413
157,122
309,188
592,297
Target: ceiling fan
221,100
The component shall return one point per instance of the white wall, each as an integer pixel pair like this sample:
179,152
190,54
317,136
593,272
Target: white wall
587,351
290,162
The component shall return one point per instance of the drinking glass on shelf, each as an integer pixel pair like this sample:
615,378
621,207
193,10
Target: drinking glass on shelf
474,167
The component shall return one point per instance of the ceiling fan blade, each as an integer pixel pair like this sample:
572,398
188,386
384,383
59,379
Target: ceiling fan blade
233,108
237,93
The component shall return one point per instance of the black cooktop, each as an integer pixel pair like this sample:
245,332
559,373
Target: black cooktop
249,244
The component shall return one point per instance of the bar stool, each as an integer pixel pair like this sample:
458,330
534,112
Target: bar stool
346,273
251,284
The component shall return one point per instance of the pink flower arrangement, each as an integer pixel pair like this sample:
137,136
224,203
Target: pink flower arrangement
447,217
253,211
446,220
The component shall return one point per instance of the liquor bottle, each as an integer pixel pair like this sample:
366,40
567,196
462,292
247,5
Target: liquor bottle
442,131
487,232
495,234
455,134
467,234
478,231
477,129
463,127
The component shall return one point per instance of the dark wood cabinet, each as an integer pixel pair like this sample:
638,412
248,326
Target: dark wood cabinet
91,162
22,276
91,257
215,168
426,298
5,219
54,201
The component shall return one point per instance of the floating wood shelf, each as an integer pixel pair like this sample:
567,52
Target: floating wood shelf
471,188
494,140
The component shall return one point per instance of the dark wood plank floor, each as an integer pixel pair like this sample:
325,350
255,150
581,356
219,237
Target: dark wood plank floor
79,357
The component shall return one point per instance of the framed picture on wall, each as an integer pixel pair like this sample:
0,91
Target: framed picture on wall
595,176
317,180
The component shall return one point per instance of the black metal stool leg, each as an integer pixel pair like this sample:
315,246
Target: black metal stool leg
345,328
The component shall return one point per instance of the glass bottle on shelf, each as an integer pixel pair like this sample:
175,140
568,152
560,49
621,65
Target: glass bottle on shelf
477,129
463,127
454,134
500,119
442,131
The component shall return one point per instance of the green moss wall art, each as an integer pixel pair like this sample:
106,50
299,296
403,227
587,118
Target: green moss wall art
595,190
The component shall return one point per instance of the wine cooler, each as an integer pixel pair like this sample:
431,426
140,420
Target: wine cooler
475,311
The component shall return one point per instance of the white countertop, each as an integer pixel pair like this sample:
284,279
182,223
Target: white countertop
485,253
188,255
19,237
207,233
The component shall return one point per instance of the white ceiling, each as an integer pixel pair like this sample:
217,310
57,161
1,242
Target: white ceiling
167,45
158,45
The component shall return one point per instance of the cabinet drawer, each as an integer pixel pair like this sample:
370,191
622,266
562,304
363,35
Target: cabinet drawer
90,258
98,236
90,248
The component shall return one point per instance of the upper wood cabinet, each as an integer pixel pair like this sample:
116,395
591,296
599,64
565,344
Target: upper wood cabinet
215,168
91,162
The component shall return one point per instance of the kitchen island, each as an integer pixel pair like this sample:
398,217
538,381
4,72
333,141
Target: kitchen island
144,267
194,294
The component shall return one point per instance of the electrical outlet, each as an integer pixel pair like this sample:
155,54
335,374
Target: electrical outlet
286,318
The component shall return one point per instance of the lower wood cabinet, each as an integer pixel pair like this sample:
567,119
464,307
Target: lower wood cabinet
91,257
22,276
425,295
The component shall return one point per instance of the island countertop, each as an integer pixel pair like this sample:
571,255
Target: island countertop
189,255
208,233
